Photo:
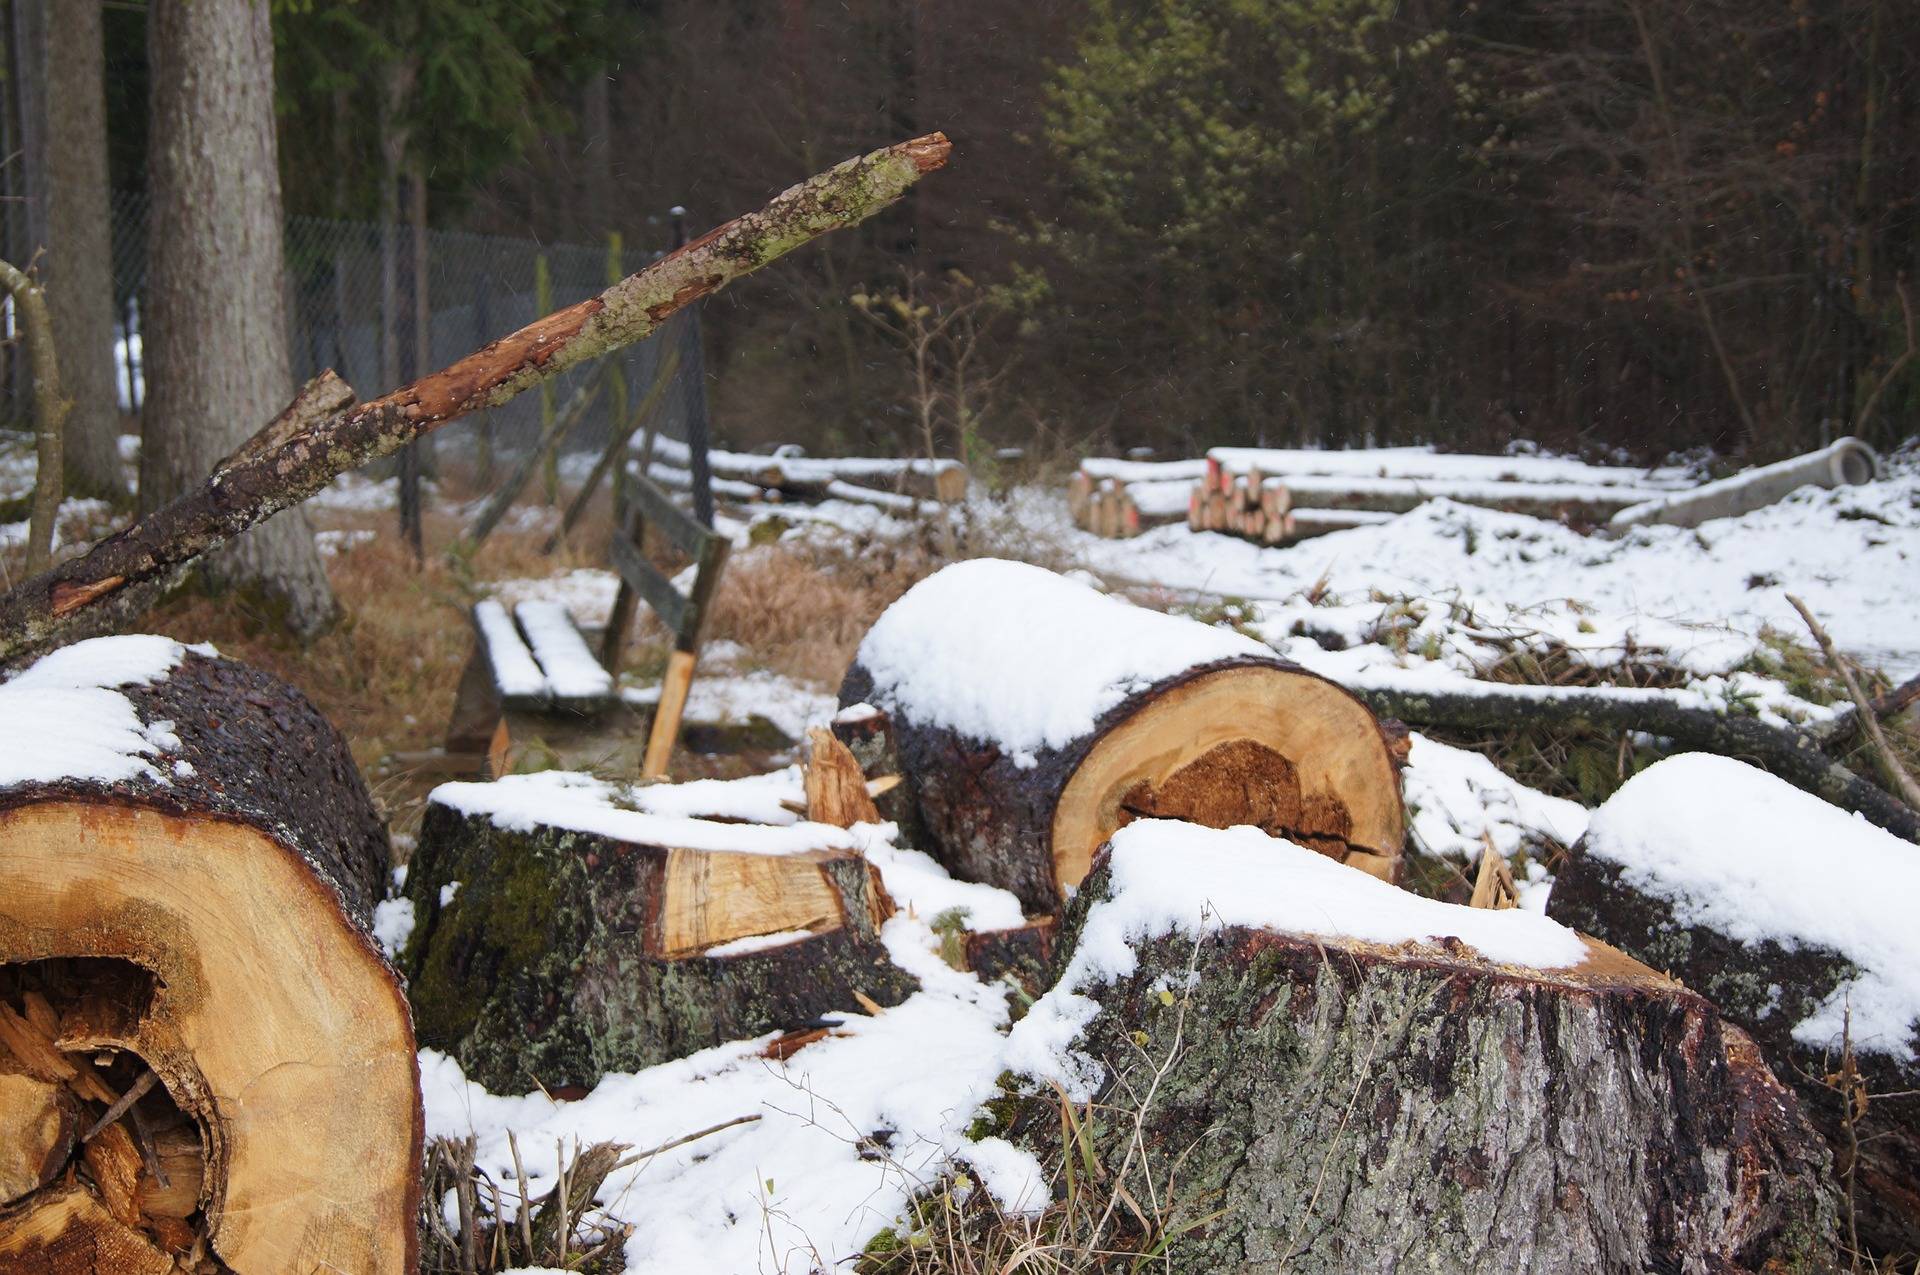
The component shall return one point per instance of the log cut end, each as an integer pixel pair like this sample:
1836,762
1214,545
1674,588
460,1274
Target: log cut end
1262,745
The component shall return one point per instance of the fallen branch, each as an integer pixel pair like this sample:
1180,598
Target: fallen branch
1885,759
1791,754
1838,733
261,481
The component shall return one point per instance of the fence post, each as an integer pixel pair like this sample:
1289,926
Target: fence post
543,306
693,366
616,367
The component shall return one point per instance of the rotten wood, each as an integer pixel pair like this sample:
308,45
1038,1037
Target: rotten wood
266,480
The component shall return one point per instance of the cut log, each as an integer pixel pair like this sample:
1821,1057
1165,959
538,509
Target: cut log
1796,920
190,881
1844,462
1424,463
560,936
38,1125
836,790
1033,716
1358,1074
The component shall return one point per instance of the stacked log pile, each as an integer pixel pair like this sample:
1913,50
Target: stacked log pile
205,1061
1275,496
901,486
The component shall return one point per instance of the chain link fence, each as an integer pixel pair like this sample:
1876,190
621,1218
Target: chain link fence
478,288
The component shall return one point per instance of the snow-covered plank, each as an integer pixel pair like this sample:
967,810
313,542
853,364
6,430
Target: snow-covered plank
516,674
569,666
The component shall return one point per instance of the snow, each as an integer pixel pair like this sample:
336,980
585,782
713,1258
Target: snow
1144,471
921,885
514,669
572,671
1458,800
566,799
757,943
63,717
1738,851
738,697
850,1128
1177,878
1020,658
586,592
393,921
754,799
1310,489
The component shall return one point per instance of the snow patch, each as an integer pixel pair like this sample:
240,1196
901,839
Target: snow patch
63,717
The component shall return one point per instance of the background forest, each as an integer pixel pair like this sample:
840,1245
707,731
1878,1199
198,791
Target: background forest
1590,223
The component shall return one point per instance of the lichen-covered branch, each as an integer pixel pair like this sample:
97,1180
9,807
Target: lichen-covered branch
49,412
283,470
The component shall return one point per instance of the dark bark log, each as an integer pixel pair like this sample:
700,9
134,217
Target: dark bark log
1023,953
1796,756
215,336
269,480
1317,770
1348,1107
563,955
240,883
1766,988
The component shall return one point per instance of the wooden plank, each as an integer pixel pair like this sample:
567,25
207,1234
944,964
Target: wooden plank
645,498
616,447
646,580
504,495
706,580
666,718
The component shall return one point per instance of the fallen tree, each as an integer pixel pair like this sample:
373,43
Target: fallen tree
559,936
322,434
1307,1070
1796,921
1032,716
1797,756
199,1038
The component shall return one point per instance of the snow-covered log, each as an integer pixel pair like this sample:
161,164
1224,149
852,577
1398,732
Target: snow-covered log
1426,464
1798,922
1032,716
1309,1070
1846,462
560,934
191,863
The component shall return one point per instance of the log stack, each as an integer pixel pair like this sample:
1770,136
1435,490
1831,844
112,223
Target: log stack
1311,1071
205,1061
898,485
1032,716
561,934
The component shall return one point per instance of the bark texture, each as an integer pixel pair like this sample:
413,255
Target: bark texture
79,263
1349,1108
1766,988
216,337
988,819
550,964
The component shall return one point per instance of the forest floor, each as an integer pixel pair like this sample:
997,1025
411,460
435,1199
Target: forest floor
1444,597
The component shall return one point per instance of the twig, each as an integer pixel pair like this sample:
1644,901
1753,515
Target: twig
1885,759
119,1108
261,482
1913,346
50,409
684,1140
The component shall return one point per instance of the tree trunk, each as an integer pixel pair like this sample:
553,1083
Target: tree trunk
1767,987
1333,1105
79,264
550,955
204,922
1244,741
216,338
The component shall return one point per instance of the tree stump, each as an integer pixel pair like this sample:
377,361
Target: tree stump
1796,920
1380,1086
559,937
190,861
1033,716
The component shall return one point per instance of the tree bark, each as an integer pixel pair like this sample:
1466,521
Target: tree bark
216,338
334,436
209,923
1766,988
562,955
1349,1107
1247,741
79,264
50,410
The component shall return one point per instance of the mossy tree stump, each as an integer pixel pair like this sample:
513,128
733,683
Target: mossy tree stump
546,954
